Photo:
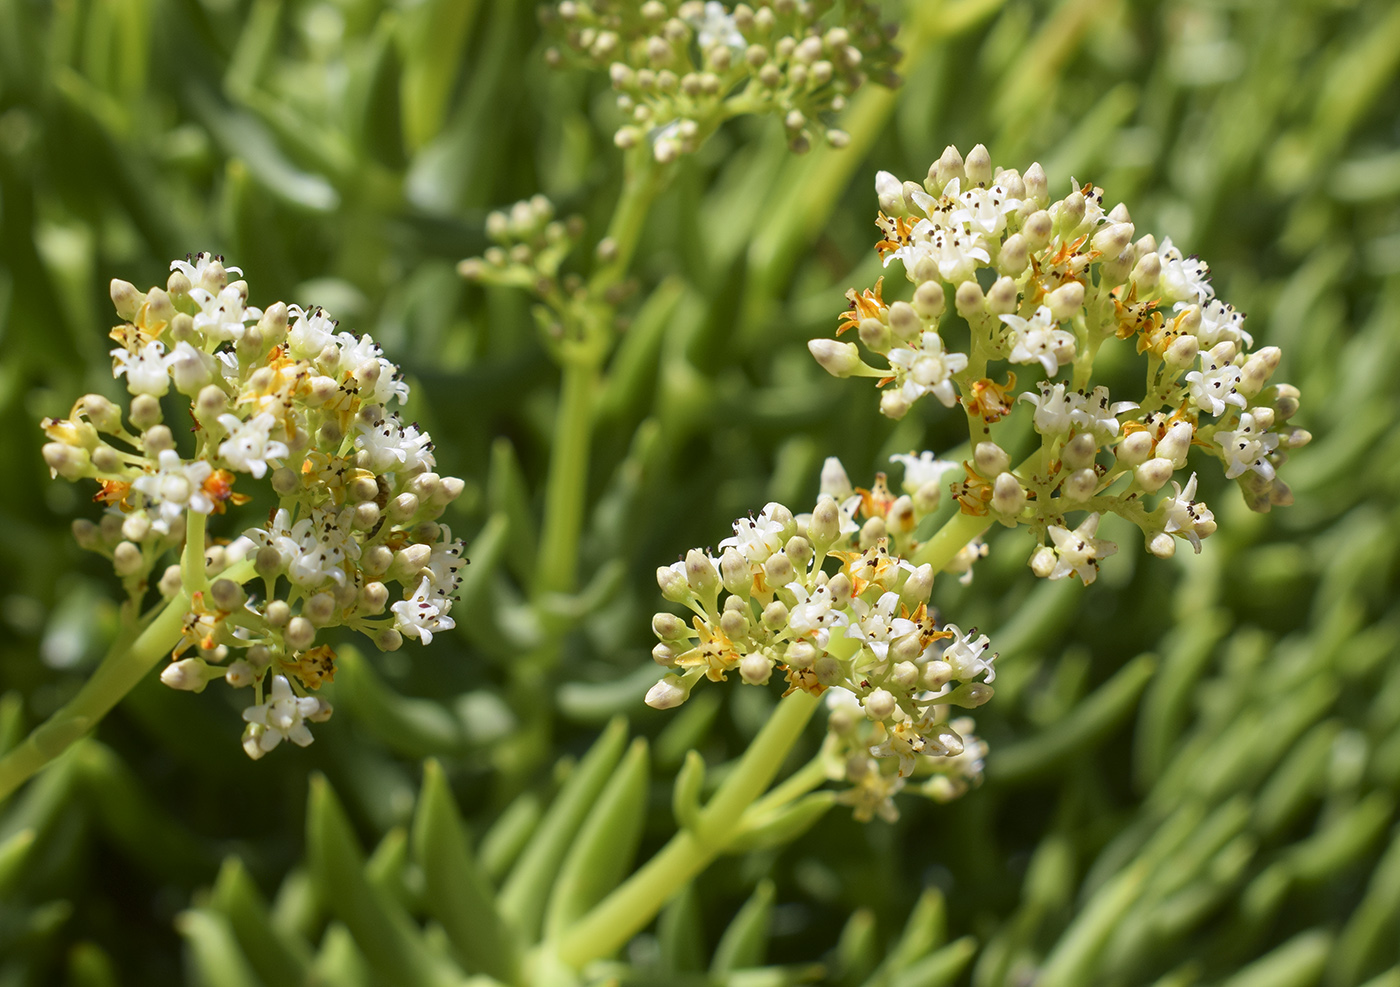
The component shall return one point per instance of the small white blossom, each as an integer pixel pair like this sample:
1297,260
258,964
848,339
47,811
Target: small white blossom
146,370
1039,338
759,538
967,655
222,316
1247,447
982,210
1186,517
249,444
929,369
922,469
1220,323
716,26
309,332
1078,552
283,716
1054,408
1183,279
1094,413
175,485
1212,388
424,613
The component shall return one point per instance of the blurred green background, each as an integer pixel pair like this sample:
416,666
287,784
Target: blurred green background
1195,763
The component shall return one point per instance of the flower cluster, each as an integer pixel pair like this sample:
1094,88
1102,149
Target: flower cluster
284,396
681,69
834,600
1063,278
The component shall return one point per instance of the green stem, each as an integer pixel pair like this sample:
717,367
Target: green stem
566,489
122,668
192,572
948,540
625,912
642,180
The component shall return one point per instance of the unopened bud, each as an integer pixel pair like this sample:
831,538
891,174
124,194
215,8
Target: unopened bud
990,459
669,693
187,675
755,669
1008,496
1080,485
968,298
1133,449
300,633
1153,474
1065,301
837,359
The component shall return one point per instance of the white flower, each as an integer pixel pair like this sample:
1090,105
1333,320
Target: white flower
967,655
202,263
283,716
1094,413
758,538
191,368
1078,552
1220,323
313,550
1247,448
392,446
716,26
1213,387
1054,408
956,254
222,316
249,444
445,562
309,332
1183,279
983,210
922,469
1186,517
929,369
1039,338
175,485
812,614
147,370
876,627
424,613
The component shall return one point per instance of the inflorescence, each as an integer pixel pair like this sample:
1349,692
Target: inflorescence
681,69
282,396
832,601
1062,279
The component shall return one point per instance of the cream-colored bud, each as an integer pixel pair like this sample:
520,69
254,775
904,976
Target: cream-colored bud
968,298
1147,271
700,573
875,335
1162,545
917,587
871,532
905,674
900,518
1113,239
125,298
240,674
1065,301
319,609
879,704
227,595
1003,297
669,693
735,574
159,309
665,655
839,586
1182,352
268,562
733,624
1014,255
936,675
778,569
929,300
775,615
978,166
949,166
1042,561
927,497
755,669
1079,451
1080,485
990,459
373,598
1008,496
836,358
277,612
1037,186
1253,375
1071,211
388,639
300,633
1133,449
187,675
145,411
893,404
170,582
825,526
800,654
1176,443
1037,230
127,559
105,459
905,321
1154,474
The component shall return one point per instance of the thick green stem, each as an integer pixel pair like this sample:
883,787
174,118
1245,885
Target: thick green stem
124,666
948,540
192,572
642,179
566,488
636,902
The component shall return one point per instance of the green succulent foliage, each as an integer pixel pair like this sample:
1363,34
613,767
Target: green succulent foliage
1220,809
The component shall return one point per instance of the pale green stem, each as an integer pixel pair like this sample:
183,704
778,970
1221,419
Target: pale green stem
566,488
122,668
192,572
948,540
632,906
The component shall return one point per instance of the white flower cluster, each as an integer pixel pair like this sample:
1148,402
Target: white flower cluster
1063,278
679,68
285,396
831,600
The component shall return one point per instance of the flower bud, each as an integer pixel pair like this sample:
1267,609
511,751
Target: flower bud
875,335
188,675
905,321
1071,211
1182,352
1002,297
917,587
837,359
1037,229
1065,301
125,298
946,168
1037,186
1042,561
1257,370
319,609
800,655
1014,256
669,627
1079,451
673,584
1133,449
929,299
1176,443
968,298
372,598
127,559
300,633
825,527
839,586
669,693
1153,474
936,674
227,595
755,669
1113,239
1162,545
388,639
990,459
893,405
1147,271
879,704
734,573
1080,485
775,615
1008,496
277,612
978,166
145,411
871,532
778,569
701,574
104,414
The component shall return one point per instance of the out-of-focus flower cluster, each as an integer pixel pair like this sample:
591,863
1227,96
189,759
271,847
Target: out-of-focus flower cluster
283,396
832,600
681,69
1063,278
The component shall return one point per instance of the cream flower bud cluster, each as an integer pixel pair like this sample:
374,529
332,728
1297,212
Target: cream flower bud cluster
528,246
286,397
681,68
1000,271
830,600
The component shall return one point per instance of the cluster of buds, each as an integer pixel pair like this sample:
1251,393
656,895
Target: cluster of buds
834,599
681,69
282,396
1064,278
